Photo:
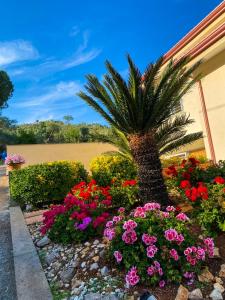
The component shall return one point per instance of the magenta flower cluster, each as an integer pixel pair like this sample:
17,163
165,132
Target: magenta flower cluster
169,245
14,159
132,277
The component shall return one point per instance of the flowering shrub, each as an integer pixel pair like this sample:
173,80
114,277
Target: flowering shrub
82,215
14,159
156,247
124,193
106,168
207,198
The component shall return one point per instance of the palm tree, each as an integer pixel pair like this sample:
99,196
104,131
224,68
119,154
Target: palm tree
138,107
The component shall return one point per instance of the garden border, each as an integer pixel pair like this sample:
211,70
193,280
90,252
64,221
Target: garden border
31,282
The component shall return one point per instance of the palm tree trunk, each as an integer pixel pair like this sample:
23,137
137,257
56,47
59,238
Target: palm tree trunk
151,183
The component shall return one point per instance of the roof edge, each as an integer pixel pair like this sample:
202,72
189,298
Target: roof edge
211,17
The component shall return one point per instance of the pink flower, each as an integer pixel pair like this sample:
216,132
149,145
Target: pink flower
151,270
162,283
139,212
170,208
151,206
132,277
174,254
188,275
165,214
148,239
121,210
182,217
109,233
118,256
151,251
171,234
179,239
117,219
129,237
129,225
209,246
109,224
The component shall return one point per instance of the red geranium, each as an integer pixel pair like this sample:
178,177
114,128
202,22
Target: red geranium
219,180
185,184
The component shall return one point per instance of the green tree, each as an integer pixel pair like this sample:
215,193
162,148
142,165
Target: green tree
6,89
137,107
68,119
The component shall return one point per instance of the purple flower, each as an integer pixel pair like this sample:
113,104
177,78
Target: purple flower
85,222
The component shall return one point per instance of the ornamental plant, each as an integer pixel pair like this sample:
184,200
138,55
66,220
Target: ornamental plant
124,193
82,215
156,247
14,159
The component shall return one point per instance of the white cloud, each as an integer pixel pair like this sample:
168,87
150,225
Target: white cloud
50,94
15,51
53,65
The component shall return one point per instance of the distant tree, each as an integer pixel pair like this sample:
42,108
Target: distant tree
6,89
84,134
68,119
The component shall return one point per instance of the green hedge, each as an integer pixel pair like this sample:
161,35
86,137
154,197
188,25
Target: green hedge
106,168
46,183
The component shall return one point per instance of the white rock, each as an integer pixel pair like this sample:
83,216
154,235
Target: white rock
219,287
195,294
104,271
182,293
216,295
94,266
216,252
96,242
83,264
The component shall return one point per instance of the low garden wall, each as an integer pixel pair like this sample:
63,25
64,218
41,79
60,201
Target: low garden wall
40,153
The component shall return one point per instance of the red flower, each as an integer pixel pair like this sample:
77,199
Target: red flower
185,184
193,161
219,180
171,171
186,175
129,182
203,191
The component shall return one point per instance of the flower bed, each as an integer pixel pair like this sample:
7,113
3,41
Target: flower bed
156,247
82,215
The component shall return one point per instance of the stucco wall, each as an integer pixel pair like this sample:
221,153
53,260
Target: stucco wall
83,152
213,85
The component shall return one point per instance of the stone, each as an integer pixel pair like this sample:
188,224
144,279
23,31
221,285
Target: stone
130,297
102,253
94,266
104,271
219,280
52,257
216,252
83,264
43,242
219,287
92,296
206,276
222,271
76,283
96,242
95,258
216,295
109,297
67,274
195,294
182,293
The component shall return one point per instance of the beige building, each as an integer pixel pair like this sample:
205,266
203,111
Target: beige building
206,101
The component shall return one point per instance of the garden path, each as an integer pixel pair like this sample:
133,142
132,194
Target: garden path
7,275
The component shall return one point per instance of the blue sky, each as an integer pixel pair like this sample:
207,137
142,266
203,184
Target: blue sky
48,46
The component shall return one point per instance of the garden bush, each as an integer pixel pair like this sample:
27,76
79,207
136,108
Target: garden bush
46,183
106,168
156,247
82,215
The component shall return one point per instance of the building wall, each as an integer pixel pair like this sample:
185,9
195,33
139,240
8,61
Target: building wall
213,85
40,153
